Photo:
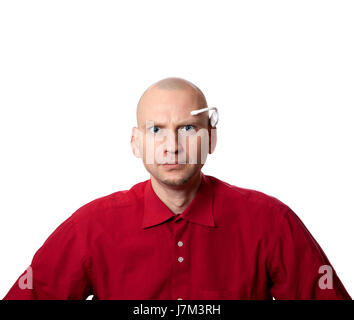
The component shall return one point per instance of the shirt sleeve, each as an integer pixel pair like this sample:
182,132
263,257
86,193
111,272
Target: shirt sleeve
59,269
298,267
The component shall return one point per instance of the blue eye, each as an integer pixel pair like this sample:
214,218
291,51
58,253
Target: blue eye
188,127
154,129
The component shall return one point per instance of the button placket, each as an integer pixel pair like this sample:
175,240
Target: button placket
180,269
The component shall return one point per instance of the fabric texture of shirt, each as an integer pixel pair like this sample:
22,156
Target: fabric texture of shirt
229,243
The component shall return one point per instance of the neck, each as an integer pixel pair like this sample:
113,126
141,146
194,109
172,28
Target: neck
177,198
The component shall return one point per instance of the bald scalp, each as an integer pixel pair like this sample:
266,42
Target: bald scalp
172,83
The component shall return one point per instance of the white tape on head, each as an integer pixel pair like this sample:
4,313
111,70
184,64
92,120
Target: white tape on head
214,118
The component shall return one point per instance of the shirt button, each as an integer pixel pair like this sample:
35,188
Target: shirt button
180,243
180,259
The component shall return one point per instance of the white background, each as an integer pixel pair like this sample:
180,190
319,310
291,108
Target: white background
71,73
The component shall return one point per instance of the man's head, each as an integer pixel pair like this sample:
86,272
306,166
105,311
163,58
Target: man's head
172,143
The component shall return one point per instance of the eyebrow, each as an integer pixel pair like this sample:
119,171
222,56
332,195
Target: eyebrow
181,123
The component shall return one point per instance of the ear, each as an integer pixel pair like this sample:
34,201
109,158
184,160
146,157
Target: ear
135,142
212,138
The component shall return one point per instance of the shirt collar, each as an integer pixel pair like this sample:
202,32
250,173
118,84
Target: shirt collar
200,210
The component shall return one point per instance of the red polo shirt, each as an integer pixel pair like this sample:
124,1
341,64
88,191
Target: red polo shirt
230,243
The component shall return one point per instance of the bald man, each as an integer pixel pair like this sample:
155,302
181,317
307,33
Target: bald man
181,234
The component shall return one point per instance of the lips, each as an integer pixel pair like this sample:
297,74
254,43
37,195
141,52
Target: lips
172,165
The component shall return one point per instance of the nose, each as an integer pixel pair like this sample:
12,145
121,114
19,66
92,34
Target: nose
171,144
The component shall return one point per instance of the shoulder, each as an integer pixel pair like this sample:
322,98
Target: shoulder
260,215
247,200
113,203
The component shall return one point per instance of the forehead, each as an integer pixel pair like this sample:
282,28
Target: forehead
170,106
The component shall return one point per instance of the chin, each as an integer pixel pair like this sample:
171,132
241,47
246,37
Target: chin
173,177
174,181
176,177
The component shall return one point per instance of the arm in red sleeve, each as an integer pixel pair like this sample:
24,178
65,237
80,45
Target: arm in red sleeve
58,269
298,267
